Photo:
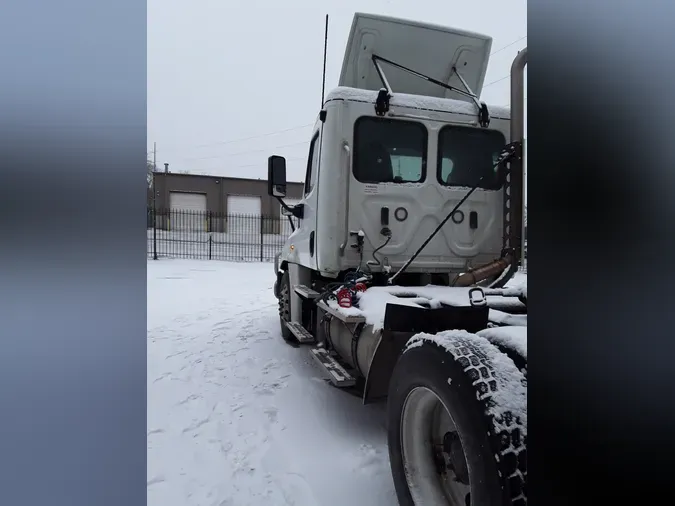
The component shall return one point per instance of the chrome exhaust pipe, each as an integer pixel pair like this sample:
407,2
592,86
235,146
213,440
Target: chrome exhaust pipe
513,189
517,178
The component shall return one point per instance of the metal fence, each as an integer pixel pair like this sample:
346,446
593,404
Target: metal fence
215,236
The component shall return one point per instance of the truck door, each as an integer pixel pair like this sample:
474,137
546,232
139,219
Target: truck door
305,239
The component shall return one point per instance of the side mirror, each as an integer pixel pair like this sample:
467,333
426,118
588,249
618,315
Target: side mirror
276,176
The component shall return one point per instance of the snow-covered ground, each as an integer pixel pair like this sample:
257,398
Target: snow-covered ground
237,417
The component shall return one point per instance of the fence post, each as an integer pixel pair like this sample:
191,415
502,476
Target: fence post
262,237
210,243
154,226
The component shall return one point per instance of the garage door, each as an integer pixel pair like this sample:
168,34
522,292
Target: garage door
244,216
188,211
285,228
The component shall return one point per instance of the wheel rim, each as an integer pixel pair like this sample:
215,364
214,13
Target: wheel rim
284,304
433,470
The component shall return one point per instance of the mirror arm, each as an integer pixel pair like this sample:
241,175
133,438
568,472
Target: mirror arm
285,206
291,222
296,210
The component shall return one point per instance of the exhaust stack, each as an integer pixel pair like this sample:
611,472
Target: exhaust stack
513,197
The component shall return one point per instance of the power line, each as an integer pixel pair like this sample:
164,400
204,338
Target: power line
295,158
247,152
497,81
509,45
231,141
210,171
498,50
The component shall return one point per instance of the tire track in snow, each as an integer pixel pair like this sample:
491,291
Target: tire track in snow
242,457
264,429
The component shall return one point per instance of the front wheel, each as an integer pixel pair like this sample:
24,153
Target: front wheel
285,306
449,443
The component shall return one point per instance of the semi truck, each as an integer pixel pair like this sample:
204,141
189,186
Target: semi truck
396,276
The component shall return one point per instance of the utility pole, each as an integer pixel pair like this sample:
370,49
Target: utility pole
154,202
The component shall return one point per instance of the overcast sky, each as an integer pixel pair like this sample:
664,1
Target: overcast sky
231,82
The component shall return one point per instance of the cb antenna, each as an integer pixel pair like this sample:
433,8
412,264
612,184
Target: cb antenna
325,49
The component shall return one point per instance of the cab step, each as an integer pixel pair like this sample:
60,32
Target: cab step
336,374
300,332
306,293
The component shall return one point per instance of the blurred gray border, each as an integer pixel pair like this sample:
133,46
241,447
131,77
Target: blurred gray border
72,253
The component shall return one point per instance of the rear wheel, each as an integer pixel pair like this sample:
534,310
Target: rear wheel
285,306
444,446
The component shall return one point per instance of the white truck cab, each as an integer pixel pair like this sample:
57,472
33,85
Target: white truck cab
388,179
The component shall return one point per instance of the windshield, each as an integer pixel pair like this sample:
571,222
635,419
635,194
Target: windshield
389,151
465,154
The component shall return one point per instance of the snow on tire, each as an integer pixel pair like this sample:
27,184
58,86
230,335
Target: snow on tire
485,397
512,341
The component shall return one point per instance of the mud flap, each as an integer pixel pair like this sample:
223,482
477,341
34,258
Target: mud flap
277,285
403,322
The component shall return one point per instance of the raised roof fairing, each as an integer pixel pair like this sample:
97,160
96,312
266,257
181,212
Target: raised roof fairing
428,49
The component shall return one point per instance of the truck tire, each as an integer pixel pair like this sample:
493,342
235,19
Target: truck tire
285,307
476,458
